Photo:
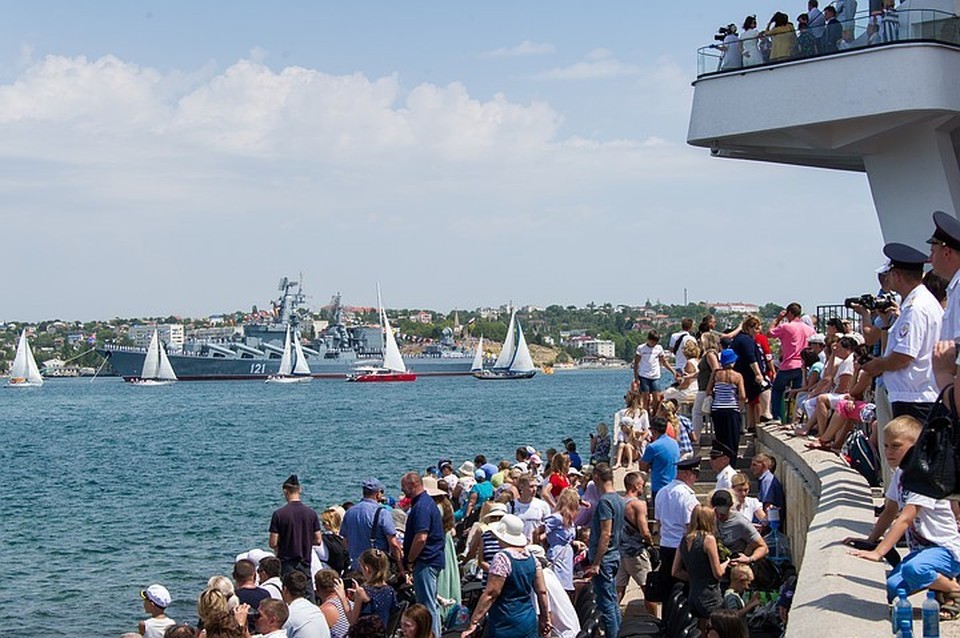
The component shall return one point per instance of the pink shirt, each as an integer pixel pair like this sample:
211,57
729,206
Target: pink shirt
793,337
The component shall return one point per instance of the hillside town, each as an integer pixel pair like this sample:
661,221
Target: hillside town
594,335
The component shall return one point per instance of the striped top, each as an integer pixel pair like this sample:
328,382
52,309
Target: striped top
342,626
491,547
725,396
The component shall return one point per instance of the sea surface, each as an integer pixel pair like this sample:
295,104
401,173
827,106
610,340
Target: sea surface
107,487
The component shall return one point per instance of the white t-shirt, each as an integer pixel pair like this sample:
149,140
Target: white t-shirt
649,367
934,523
750,507
154,627
844,367
684,336
725,478
673,506
532,514
914,333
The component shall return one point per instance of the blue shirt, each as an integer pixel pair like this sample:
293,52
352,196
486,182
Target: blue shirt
356,527
662,455
771,492
575,460
489,469
424,516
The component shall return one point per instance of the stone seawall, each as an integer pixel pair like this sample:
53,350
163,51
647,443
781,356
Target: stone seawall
837,594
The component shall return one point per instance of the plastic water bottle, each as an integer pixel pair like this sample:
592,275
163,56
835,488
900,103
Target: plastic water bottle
773,517
931,616
902,611
906,629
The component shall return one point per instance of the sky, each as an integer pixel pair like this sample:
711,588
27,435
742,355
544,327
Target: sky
179,158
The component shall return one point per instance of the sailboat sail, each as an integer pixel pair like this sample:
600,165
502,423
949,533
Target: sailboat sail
522,362
286,361
302,366
509,345
165,370
392,360
478,357
24,365
151,362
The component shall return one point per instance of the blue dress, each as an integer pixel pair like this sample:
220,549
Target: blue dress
512,615
560,548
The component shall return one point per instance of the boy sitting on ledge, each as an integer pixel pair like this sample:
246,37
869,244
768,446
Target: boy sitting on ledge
931,529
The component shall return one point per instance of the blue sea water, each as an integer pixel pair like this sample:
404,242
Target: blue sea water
108,487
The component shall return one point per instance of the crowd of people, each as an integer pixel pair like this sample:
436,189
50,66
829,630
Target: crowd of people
507,548
816,32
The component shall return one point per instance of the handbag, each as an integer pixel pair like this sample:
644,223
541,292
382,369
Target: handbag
930,466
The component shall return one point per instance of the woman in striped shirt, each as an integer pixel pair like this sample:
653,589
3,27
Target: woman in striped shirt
726,388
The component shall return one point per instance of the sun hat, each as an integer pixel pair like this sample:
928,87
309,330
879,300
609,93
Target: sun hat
574,472
818,338
510,531
254,556
535,459
432,487
158,595
728,357
466,469
496,509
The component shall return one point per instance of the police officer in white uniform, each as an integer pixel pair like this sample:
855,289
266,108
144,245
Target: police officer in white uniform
907,361
945,260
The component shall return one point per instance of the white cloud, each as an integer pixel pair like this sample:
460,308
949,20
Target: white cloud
524,48
597,64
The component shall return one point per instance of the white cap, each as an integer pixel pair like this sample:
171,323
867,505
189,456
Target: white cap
254,556
158,595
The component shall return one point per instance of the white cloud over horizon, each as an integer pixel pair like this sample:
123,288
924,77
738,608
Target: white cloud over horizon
525,48
596,65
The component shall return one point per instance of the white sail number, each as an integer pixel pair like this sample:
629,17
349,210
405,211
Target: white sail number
258,368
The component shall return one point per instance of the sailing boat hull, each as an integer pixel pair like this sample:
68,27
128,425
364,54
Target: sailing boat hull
150,382
502,375
277,378
382,377
22,383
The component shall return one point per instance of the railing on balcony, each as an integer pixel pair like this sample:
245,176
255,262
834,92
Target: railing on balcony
866,30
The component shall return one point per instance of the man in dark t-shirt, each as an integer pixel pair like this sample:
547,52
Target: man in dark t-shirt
423,543
245,582
604,548
294,530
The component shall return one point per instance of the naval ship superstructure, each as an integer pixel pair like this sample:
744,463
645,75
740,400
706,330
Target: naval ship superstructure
256,353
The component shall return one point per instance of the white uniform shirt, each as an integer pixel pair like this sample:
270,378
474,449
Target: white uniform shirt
950,328
725,478
649,367
673,506
914,334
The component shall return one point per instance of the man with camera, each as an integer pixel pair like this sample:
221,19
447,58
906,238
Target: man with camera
907,361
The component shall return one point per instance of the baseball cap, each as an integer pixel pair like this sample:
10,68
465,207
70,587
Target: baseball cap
372,485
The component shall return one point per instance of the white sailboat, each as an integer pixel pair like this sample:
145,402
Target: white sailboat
514,361
24,373
477,365
156,365
393,367
293,363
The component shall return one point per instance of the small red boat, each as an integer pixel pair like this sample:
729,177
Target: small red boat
379,375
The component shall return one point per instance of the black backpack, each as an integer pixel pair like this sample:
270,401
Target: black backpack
338,558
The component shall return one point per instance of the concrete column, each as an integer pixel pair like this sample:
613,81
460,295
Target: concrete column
913,172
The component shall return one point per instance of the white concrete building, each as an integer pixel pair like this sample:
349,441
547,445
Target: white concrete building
171,334
599,348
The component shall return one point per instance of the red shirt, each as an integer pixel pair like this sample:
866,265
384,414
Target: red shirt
558,483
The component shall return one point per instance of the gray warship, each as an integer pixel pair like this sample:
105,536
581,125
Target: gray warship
255,352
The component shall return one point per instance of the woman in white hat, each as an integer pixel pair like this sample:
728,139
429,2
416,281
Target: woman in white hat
514,576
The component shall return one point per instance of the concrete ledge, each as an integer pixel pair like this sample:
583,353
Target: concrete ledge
837,594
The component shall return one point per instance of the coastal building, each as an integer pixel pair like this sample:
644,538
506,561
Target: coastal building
599,348
171,334
735,307
887,102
